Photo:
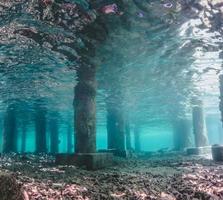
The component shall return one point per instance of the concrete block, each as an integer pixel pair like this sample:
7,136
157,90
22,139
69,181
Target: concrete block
119,153
198,150
122,153
90,161
107,151
217,152
63,158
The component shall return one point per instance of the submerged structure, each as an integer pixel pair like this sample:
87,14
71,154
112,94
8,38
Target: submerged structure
106,84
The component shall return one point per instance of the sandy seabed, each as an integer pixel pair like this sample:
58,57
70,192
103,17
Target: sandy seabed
166,177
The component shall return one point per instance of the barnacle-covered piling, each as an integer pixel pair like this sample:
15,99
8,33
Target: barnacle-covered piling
85,109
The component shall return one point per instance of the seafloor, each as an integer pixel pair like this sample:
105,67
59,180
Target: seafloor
166,177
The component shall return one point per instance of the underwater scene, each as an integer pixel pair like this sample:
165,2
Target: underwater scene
111,99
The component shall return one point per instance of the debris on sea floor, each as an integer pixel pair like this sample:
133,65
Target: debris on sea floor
165,178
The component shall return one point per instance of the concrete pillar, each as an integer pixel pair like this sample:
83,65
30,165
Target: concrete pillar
85,124
176,136
128,136
199,126
85,110
115,128
120,131
1,136
111,128
10,131
137,138
40,126
54,136
221,95
69,140
220,133
23,138
182,134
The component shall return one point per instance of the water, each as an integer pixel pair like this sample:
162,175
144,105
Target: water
111,75
150,66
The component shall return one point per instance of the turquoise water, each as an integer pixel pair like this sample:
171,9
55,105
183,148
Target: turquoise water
152,139
152,58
